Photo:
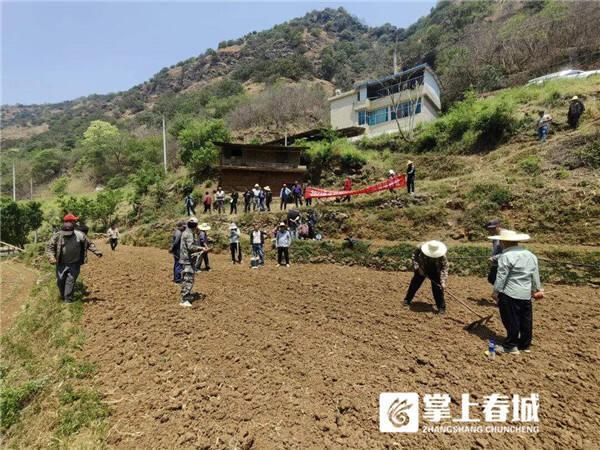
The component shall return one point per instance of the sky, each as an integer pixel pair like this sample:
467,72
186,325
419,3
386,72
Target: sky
55,51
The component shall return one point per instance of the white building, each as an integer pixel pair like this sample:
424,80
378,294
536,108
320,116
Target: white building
411,96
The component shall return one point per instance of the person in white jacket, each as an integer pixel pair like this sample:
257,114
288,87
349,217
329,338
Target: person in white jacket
234,244
283,240
113,237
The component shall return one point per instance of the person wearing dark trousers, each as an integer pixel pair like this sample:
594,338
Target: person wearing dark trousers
234,244
234,200
517,282
207,201
189,205
113,237
247,200
203,241
220,200
283,240
430,261
284,195
297,193
493,227
268,198
576,109
410,177
307,200
174,250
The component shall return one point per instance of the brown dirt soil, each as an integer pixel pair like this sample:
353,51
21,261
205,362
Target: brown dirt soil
297,358
16,281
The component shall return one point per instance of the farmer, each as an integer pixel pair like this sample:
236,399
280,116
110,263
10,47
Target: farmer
262,195
257,239
220,200
188,201
283,240
543,125
308,200
247,200
518,280
493,227
347,187
268,197
256,197
284,195
113,237
187,249
203,241
67,249
174,250
576,109
297,193
410,177
234,244
234,199
207,201
293,220
430,261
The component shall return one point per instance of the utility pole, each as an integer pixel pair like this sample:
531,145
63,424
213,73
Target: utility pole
164,144
14,184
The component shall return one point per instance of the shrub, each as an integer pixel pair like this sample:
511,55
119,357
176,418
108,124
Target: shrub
490,192
530,165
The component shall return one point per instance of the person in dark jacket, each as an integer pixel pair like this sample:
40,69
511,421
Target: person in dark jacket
174,250
284,196
576,109
410,177
188,201
234,201
430,261
297,193
268,197
67,249
493,227
203,241
248,195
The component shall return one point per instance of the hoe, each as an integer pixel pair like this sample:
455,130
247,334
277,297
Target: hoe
483,320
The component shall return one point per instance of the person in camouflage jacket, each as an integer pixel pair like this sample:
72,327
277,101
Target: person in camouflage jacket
187,249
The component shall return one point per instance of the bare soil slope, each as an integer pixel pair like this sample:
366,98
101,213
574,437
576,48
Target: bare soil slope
16,281
296,358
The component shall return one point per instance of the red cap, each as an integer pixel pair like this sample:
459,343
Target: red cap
70,218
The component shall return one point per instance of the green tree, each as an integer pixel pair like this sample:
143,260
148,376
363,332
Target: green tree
18,219
105,207
105,152
197,141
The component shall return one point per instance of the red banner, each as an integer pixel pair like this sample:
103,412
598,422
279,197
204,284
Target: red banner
394,182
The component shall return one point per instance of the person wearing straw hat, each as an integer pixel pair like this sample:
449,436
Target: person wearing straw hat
283,240
429,260
410,177
234,244
203,241
67,249
517,281
576,109
187,251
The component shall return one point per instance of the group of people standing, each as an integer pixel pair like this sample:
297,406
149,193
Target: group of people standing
576,109
514,274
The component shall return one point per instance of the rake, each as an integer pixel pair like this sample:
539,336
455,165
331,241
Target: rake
483,320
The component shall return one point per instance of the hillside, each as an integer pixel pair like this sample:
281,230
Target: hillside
479,44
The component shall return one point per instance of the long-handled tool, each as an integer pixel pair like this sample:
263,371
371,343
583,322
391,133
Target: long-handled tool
479,322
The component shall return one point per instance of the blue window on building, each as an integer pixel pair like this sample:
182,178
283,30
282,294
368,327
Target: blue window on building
378,116
362,117
405,109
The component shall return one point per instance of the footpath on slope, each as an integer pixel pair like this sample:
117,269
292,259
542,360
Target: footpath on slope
16,281
297,358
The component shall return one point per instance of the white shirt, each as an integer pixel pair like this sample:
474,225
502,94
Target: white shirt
256,237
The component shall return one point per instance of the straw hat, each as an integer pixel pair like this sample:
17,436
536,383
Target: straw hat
204,226
256,185
391,172
575,98
282,224
233,226
192,220
510,236
409,163
267,188
434,249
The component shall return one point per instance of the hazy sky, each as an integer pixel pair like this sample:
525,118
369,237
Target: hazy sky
54,51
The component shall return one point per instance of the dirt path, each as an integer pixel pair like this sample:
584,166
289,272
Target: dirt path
16,281
297,358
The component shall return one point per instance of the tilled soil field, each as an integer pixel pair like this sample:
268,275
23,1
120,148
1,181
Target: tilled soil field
297,357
